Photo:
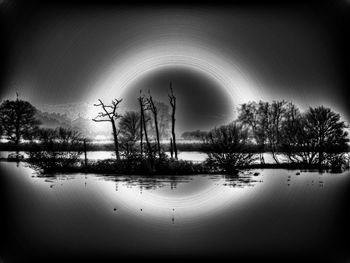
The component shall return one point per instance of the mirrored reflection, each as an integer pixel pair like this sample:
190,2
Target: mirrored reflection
173,214
158,199
248,179
242,180
149,182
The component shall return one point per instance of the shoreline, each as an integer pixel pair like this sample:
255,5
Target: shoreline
187,168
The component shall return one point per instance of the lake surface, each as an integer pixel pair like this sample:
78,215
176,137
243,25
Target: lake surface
192,156
277,214
101,155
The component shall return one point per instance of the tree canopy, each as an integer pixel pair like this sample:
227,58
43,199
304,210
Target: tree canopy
17,120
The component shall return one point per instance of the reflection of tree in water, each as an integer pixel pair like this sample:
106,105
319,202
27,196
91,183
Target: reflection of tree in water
243,180
154,182
150,183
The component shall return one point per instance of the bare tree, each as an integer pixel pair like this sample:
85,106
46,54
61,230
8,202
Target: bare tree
144,123
274,127
171,148
249,117
153,108
229,148
263,120
172,100
17,120
317,137
326,131
255,117
292,126
85,152
110,114
129,127
141,123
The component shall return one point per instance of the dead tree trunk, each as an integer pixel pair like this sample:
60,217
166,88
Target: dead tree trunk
116,142
141,125
171,148
85,153
152,107
143,122
172,100
109,114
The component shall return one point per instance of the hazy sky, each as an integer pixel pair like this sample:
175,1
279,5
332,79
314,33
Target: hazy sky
217,57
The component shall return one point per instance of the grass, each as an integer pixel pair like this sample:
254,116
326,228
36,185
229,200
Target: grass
161,166
182,147
140,165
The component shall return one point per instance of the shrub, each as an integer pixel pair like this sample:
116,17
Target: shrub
228,149
57,149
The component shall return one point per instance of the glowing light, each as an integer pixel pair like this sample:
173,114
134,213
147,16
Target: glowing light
154,56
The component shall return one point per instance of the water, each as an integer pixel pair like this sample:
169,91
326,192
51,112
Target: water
101,155
277,213
192,156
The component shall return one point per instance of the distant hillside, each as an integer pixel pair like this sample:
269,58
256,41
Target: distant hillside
194,135
84,126
53,120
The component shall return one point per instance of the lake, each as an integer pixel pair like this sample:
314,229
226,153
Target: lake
192,156
101,155
276,215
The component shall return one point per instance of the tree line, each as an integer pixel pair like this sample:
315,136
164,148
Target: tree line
136,134
314,138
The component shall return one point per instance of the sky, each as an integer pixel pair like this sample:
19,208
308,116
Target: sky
195,94
66,56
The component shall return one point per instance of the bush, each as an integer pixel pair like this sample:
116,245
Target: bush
229,149
137,164
337,161
57,150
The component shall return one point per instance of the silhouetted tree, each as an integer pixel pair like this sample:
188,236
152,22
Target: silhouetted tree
315,137
172,100
304,138
17,119
144,120
228,148
274,126
129,127
297,143
293,136
255,117
141,122
326,131
249,117
337,161
153,108
171,148
85,141
110,114
1,127
163,120
261,129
